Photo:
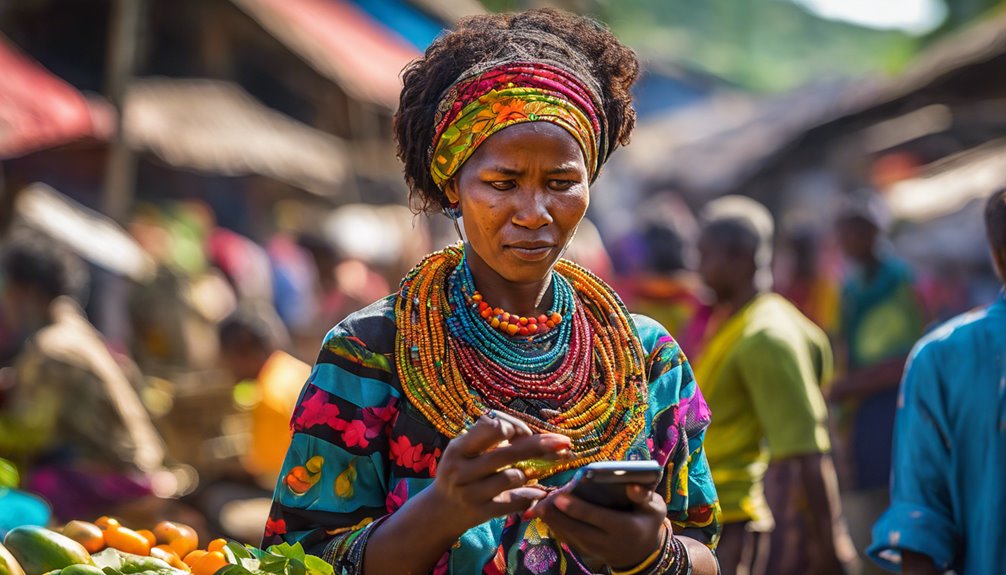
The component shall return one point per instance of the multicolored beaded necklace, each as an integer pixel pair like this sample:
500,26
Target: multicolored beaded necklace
584,378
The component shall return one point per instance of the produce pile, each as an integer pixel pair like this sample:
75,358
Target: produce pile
107,547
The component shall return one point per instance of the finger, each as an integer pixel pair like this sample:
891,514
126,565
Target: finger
596,515
517,500
580,535
638,494
486,488
541,446
489,431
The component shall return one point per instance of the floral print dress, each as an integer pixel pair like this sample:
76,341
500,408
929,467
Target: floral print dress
360,450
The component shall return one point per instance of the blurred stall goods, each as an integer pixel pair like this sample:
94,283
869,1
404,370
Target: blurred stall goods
74,419
169,548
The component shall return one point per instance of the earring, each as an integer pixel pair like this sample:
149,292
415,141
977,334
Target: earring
453,211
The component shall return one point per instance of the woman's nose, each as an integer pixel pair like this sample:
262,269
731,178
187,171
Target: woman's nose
532,210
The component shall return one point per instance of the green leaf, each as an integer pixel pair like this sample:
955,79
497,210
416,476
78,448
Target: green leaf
295,551
8,475
108,559
318,566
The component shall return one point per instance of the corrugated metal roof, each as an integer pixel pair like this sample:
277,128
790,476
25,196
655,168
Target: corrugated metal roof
217,127
341,42
39,110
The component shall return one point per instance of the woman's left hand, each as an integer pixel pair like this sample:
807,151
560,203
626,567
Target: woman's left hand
619,539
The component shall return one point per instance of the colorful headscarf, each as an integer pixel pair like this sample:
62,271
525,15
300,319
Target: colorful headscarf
485,101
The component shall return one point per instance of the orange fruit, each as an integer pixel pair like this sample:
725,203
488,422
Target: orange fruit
168,555
87,534
209,563
105,522
180,537
149,536
216,545
125,539
192,557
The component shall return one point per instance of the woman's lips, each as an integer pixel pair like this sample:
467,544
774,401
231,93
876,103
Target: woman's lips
529,253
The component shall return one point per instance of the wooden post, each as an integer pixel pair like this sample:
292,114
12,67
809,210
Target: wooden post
120,170
123,47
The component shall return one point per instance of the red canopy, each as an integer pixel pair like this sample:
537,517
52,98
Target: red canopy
38,110
339,41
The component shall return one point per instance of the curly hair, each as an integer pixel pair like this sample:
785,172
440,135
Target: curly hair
587,47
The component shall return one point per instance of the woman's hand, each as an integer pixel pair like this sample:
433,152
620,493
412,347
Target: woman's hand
618,539
475,479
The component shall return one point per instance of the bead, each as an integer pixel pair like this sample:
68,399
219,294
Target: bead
497,311
512,328
523,331
532,328
588,363
532,320
523,320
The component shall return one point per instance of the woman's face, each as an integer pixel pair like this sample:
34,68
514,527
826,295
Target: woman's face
522,194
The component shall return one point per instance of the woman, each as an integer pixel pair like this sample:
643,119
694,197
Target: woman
435,424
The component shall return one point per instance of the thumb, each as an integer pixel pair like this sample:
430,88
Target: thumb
638,494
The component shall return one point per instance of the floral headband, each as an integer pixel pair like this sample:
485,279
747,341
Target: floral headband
484,102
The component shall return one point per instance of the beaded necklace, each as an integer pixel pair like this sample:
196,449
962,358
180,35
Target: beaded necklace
585,378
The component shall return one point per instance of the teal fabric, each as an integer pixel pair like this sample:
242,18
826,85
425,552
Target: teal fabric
948,484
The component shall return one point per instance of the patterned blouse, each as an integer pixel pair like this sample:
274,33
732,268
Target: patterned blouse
360,450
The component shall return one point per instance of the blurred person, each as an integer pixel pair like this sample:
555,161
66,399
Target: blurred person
252,349
665,289
434,423
948,485
74,419
810,285
268,381
881,319
761,368
345,284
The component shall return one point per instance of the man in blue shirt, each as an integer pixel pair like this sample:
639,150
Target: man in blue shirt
948,485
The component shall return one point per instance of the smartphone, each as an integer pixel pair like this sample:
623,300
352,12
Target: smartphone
603,483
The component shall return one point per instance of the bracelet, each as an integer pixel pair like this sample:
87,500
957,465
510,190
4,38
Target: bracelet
655,558
345,551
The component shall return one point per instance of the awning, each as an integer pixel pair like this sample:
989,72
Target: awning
39,110
92,236
951,184
216,127
341,42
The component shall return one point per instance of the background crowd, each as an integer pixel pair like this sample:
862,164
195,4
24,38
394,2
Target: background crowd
175,251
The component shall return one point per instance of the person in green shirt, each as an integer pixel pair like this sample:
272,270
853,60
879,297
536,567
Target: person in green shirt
761,367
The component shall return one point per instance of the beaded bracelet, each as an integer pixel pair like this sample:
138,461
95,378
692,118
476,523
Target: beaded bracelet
345,551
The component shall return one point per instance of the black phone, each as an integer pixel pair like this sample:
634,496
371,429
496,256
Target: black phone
603,483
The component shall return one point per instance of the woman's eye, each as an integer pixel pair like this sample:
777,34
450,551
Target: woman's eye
502,185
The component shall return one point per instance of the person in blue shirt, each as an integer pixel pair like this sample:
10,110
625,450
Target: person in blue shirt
948,480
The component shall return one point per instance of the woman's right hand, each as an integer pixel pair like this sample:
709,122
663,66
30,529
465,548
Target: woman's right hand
475,478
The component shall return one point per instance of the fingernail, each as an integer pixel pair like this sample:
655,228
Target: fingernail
555,442
564,454
491,414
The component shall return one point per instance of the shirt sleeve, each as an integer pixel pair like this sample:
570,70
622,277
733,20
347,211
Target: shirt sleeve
333,487
920,517
784,384
680,417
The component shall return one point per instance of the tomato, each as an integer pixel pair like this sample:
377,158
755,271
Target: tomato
125,539
180,537
209,563
87,534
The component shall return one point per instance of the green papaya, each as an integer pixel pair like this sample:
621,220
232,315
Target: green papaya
40,550
8,564
81,570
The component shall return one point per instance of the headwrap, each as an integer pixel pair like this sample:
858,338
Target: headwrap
487,99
